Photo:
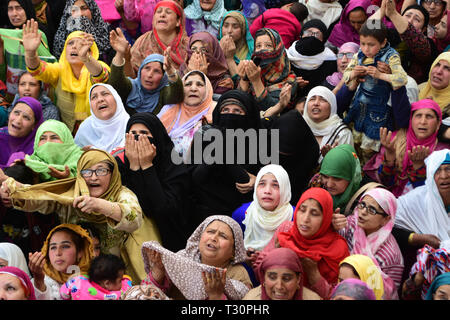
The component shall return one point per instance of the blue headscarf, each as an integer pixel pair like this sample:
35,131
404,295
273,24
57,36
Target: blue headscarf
194,12
440,280
141,99
249,41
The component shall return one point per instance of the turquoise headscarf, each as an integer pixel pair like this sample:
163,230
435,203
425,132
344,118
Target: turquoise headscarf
440,280
248,42
143,100
194,12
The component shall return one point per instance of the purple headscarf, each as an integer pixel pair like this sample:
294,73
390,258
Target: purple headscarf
353,288
343,31
24,280
336,77
13,148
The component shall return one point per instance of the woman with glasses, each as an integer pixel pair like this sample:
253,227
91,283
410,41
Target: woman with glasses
368,232
436,9
96,195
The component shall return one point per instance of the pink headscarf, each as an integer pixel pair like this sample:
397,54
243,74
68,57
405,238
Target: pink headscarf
24,280
336,77
369,245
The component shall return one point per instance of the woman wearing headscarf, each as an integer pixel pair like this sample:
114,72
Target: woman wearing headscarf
313,239
100,199
282,278
320,114
361,267
199,272
17,139
168,31
265,80
270,207
310,59
437,87
68,247
85,16
400,163
204,16
55,154
442,35
235,40
72,77
345,53
183,119
436,9
205,54
12,256
368,231
161,186
340,174
352,289
18,284
326,11
105,126
157,82
439,288
353,17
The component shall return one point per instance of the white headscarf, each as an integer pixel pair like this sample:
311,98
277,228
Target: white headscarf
324,11
104,134
14,255
261,224
422,209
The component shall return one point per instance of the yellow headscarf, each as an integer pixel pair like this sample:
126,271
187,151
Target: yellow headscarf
83,263
368,272
442,97
79,86
65,191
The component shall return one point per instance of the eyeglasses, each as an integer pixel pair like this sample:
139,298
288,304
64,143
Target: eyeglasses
436,2
370,209
349,55
312,34
100,172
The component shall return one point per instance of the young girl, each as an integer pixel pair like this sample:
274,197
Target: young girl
104,281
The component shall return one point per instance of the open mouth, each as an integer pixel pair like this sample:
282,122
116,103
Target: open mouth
15,127
211,246
74,54
102,107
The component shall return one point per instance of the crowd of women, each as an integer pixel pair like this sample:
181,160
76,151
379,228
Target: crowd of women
99,99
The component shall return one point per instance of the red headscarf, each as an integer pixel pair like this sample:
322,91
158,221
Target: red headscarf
326,246
24,280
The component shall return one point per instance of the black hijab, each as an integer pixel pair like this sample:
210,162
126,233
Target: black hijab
27,5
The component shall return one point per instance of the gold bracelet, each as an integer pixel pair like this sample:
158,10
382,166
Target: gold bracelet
410,238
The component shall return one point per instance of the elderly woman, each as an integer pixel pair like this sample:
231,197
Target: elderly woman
182,120
235,40
347,30
368,232
104,128
282,278
203,15
15,285
320,114
72,77
157,82
67,246
436,9
266,81
17,139
208,268
311,236
167,32
205,54
352,289
55,154
85,16
98,198
400,163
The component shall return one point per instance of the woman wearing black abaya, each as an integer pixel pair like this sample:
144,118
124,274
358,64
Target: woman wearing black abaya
221,188
161,186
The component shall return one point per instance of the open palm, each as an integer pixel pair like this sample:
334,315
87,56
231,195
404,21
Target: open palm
31,37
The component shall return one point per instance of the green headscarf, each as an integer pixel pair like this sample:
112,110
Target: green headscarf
54,154
342,162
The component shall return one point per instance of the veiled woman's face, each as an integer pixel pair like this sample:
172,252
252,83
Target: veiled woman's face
49,136
16,14
194,90
216,244
309,218
268,192
80,8
264,42
103,104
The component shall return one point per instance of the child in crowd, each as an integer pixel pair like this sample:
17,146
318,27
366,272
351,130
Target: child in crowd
104,281
287,20
369,110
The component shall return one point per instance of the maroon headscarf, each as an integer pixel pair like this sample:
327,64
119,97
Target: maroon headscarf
24,280
441,44
16,148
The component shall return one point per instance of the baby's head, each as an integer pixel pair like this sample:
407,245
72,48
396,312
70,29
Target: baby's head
107,271
299,10
372,37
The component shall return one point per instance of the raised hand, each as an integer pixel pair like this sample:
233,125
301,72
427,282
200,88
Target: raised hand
214,282
417,156
158,270
285,95
228,46
246,187
388,143
169,65
146,152
339,221
253,71
131,151
118,41
59,174
86,42
31,37
36,265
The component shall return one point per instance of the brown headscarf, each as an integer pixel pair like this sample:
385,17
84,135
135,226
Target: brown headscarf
83,263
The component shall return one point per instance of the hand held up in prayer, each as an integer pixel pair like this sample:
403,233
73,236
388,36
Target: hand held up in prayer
156,266
36,265
253,72
417,156
214,282
118,41
311,270
388,144
285,95
327,148
228,47
339,221
146,152
246,187
84,50
119,5
59,174
131,151
199,62
389,6
169,64
252,255
31,37
301,82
